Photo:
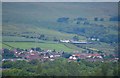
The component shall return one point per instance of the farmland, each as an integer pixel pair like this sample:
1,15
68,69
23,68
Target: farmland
59,39
45,46
34,23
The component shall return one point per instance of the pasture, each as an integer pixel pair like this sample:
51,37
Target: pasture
44,46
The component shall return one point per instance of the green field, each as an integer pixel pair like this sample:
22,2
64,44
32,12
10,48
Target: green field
73,46
45,46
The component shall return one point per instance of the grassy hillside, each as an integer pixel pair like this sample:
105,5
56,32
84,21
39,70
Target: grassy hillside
99,46
44,15
49,32
73,46
39,11
45,46
41,18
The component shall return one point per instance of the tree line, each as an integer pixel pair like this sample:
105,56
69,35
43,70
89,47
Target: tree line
60,67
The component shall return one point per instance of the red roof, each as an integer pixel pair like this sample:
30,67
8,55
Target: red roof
77,55
93,54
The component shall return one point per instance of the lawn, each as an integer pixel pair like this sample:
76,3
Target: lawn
45,46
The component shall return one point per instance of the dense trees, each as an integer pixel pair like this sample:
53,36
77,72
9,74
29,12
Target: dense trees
63,19
114,18
109,38
36,49
95,19
8,54
60,67
66,55
98,19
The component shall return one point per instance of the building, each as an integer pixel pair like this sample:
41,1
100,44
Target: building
78,42
65,41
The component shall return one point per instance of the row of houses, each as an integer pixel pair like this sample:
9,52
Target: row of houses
89,57
48,55
44,55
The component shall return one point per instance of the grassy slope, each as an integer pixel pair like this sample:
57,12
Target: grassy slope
34,17
14,38
48,11
72,46
100,46
41,30
45,46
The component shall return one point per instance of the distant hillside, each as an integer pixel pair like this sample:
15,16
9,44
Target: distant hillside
42,18
49,11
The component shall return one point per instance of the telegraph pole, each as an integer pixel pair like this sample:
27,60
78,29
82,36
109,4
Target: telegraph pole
35,40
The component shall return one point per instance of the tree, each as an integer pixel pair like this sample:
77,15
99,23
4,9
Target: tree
102,19
114,18
115,71
55,39
38,49
7,64
66,55
63,20
15,72
42,36
54,50
104,68
75,38
8,54
33,49
39,69
117,54
95,19
20,64
18,49
34,62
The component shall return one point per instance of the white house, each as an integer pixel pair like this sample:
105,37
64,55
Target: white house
65,41
72,57
51,56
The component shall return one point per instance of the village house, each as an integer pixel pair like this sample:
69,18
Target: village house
65,41
45,55
73,57
32,56
49,51
92,57
80,56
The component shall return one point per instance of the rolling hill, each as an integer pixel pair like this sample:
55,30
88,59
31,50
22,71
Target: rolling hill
42,17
